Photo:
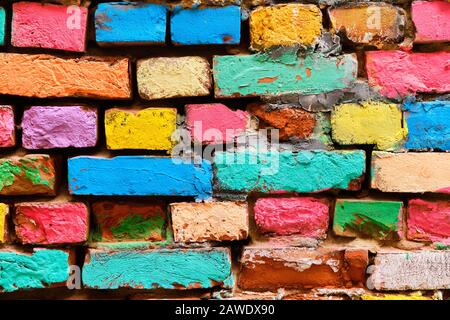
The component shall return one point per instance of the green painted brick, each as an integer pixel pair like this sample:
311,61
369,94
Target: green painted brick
303,171
2,26
280,73
380,220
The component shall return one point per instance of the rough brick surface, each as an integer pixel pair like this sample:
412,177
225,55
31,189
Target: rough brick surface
292,268
128,221
31,174
49,26
375,23
130,23
258,74
410,172
44,76
431,20
39,269
215,123
306,217
213,25
47,127
159,268
375,123
150,128
209,221
51,223
411,270
288,171
285,25
398,73
7,129
160,78
4,211
429,220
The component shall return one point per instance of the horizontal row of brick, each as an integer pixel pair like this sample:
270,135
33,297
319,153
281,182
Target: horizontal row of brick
51,223
234,76
122,23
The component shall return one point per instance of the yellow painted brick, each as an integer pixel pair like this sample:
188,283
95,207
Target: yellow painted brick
149,129
285,24
3,215
394,296
375,123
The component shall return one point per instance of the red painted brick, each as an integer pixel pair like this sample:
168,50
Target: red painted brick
432,20
7,130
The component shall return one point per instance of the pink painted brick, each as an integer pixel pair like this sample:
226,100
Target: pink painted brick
46,127
49,26
398,74
432,20
215,122
307,217
7,132
51,223
429,220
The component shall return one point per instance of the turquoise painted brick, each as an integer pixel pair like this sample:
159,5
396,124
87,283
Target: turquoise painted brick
282,72
157,268
2,26
305,171
119,23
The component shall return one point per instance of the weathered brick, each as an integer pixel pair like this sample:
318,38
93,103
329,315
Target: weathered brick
45,76
159,268
41,268
293,267
206,25
31,174
306,217
429,220
281,72
120,23
4,211
164,77
432,21
375,123
215,123
7,129
46,127
374,23
139,176
128,221
396,296
410,270
410,172
380,220
2,26
149,128
398,73
51,222
285,25
427,124
49,26
209,221
305,171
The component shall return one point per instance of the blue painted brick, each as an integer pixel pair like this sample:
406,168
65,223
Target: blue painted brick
214,25
139,176
130,22
428,125
2,26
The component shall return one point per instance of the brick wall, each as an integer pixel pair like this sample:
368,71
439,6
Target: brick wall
314,139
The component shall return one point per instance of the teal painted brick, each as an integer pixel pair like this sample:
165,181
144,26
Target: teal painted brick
2,26
305,171
281,73
158,268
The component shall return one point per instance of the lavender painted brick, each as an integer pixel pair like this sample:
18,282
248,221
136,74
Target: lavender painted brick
47,127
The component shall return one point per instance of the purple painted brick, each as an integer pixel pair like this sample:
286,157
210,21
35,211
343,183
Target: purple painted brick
46,127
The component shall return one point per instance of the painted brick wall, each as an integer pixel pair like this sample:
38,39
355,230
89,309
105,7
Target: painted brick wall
244,149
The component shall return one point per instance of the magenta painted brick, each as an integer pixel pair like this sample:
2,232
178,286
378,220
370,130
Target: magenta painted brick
432,20
398,74
47,127
51,223
215,122
49,26
307,217
7,132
